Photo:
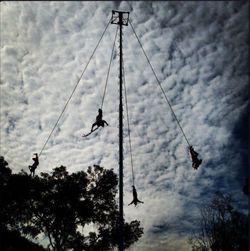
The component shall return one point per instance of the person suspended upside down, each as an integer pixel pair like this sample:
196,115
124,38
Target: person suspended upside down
135,199
34,165
194,156
99,121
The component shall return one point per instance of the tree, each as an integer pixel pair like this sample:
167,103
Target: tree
222,228
59,205
11,240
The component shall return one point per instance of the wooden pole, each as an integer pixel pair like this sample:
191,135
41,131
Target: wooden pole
121,21
121,246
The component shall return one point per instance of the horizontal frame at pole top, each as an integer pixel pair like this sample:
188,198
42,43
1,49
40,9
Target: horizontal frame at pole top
116,17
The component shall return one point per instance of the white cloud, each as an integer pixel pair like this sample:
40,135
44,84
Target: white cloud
198,51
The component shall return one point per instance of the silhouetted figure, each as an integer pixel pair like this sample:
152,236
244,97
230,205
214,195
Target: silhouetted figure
34,165
135,199
99,121
194,156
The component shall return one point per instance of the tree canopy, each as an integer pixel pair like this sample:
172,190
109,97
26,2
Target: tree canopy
222,227
61,206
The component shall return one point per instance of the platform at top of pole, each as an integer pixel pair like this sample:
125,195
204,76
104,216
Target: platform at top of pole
116,17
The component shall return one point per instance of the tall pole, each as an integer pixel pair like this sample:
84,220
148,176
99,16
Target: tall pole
120,146
121,21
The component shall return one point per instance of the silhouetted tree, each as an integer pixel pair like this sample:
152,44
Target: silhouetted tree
222,228
13,241
60,205
13,211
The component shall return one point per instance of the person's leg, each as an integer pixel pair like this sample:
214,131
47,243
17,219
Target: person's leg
95,124
30,170
194,165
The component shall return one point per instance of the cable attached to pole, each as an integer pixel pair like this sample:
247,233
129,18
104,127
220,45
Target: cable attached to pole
109,68
64,108
130,145
159,84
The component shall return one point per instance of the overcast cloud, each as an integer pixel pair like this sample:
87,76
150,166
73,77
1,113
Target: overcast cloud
199,51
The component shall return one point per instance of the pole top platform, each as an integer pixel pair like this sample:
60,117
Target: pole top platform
120,15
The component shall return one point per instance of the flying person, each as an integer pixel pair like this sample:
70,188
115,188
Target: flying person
194,156
34,165
99,121
135,199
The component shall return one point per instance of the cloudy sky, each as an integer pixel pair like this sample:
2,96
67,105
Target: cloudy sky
199,51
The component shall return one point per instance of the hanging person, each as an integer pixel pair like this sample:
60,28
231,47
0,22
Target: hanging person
194,155
34,165
99,121
135,199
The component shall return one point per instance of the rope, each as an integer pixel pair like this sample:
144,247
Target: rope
64,108
130,145
109,68
160,84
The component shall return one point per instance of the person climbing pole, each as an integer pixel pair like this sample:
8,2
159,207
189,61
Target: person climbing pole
99,121
34,165
194,155
135,198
